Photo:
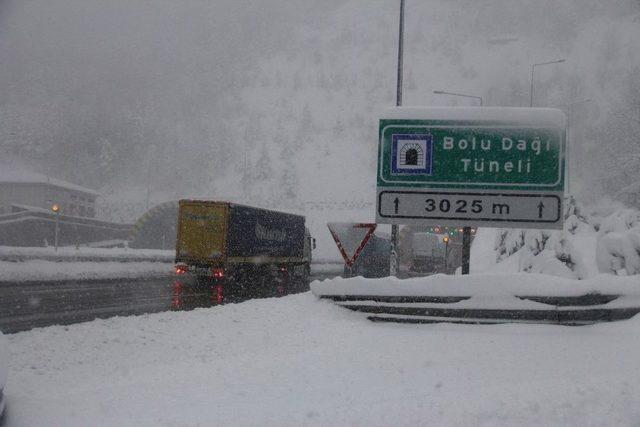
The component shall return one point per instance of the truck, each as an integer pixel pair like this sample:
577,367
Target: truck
239,251
427,253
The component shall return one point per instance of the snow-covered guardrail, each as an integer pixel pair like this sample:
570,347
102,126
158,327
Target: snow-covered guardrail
85,254
91,264
487,298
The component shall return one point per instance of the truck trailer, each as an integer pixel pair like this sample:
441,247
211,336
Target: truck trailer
241,252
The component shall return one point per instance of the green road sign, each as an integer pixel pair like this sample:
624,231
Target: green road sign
509,161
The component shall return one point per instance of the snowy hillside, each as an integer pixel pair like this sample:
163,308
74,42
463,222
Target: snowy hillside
289,118
309,113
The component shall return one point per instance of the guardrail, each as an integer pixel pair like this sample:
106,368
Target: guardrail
487,299
571,311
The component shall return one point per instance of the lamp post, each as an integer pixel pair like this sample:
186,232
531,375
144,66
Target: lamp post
533,67
445,239
393,261
56,209
442,92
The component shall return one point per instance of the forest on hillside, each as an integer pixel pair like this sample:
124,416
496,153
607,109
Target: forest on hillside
290,119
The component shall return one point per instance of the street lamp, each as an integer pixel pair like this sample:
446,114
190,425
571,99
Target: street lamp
442,92
445,239
56,209
393,259
533,67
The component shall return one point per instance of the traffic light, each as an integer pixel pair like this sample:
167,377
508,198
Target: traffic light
55,207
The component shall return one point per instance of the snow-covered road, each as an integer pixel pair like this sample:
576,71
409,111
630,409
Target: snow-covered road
300,361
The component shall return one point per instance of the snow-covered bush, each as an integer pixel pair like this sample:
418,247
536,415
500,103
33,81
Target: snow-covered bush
619,253
620,221
541,251
551,253
618,248
576,217
507,243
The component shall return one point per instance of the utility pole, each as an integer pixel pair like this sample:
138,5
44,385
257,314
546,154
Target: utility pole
393,266
466,249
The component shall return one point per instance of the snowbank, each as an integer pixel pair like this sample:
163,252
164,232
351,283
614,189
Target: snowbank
298,361
67,253
479,285
50,270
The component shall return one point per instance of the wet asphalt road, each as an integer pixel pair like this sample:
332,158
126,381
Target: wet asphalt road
27,305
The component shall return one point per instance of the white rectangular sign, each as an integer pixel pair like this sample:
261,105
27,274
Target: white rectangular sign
489,208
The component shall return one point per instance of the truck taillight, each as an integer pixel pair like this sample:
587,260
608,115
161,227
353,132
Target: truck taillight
182,268
218,273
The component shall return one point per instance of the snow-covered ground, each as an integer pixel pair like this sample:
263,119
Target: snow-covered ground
480,285
21,264
300,361
73,270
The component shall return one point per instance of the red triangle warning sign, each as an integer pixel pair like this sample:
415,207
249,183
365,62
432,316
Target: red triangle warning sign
351,238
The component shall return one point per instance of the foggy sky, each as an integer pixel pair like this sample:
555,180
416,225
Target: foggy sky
128,93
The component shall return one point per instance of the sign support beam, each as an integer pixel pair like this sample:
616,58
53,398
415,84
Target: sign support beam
466,249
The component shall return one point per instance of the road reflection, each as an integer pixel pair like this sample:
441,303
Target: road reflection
188,295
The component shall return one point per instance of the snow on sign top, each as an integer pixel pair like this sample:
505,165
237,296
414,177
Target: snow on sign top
545,117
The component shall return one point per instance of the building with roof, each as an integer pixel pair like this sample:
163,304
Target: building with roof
20,189
26,217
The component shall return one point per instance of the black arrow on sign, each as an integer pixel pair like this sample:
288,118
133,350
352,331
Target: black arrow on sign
540,208
396,203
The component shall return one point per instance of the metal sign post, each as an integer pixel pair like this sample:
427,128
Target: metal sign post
466,249
496,167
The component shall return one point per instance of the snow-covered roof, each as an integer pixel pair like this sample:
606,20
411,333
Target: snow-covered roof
22,176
